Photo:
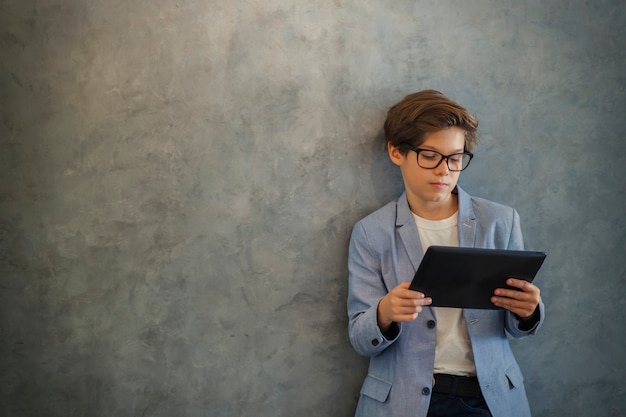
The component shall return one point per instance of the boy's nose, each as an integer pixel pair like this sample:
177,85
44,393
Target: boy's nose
442,168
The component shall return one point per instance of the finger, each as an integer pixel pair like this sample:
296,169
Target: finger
514,294
404,285
424,301
508,303
410,295
402,290
404,314
408,310
525,289
405,317
521,308
411,302
409,292
522,284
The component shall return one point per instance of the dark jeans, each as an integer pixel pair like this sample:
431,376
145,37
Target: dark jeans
442,405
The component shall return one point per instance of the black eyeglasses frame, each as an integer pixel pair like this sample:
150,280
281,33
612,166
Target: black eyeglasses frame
446,157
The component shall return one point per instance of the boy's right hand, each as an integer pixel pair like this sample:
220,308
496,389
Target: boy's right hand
400,305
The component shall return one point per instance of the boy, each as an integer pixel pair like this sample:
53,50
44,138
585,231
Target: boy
432,361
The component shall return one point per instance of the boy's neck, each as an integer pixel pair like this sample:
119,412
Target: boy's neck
436,210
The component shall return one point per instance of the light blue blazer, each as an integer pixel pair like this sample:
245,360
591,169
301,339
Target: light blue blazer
385,250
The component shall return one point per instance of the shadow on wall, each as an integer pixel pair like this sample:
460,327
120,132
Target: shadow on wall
386,177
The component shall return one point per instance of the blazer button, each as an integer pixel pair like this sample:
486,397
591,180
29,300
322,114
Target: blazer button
431,324
425,391
375,342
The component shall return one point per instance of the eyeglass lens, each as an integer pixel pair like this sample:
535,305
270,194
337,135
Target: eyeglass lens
431,159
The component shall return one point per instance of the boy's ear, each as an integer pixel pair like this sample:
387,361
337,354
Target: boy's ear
394,154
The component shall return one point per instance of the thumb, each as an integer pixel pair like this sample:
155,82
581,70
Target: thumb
404,285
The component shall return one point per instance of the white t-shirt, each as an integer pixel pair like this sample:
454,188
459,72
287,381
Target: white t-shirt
453,352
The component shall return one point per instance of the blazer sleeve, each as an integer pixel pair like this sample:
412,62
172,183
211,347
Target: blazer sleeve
512,323
365,290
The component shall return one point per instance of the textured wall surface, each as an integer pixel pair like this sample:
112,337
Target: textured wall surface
179,179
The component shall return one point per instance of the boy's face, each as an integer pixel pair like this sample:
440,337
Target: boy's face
429,191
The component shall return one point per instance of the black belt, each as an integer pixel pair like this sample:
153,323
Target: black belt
460,386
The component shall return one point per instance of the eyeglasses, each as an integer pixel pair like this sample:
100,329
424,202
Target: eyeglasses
429,159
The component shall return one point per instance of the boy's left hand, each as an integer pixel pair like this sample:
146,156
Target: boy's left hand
523,303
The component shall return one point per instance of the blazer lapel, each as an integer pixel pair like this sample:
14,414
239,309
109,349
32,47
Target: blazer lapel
405,224
410,236
467,220
407,229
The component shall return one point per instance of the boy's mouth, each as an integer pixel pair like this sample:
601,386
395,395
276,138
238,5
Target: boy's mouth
439,185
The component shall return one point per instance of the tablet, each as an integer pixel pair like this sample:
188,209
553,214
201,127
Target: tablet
467,277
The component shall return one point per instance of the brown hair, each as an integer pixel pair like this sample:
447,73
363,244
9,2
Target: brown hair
416,115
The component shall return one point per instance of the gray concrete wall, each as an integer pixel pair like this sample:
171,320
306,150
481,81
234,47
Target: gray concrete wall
179,180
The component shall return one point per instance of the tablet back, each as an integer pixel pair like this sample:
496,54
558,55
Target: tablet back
467,277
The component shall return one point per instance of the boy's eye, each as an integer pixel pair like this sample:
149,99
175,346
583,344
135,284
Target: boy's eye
429,155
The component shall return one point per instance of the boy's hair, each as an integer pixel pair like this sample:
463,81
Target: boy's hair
416,115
